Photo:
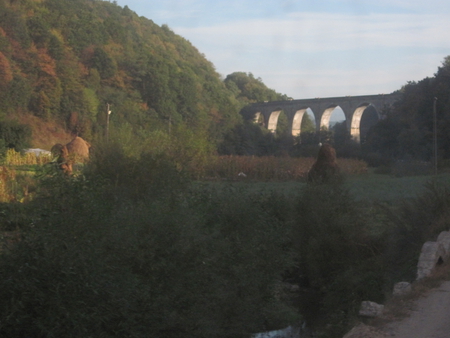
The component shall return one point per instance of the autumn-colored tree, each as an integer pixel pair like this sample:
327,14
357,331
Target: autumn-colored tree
6,74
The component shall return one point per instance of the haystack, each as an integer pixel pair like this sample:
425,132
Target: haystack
325,168
79,149
56,150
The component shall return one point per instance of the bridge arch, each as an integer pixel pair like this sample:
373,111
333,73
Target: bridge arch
297,122
322,108
273,120
355,123
326,116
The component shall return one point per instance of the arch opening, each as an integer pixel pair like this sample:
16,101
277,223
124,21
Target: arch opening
334,111
369,118
259,119
273,121
337,116
297,122
356,121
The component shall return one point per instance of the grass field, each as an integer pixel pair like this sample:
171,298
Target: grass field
366,188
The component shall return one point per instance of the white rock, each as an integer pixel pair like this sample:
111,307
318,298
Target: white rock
444,240
371,309
429,256
401,289
289,332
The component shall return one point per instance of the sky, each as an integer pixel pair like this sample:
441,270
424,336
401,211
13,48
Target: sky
313,48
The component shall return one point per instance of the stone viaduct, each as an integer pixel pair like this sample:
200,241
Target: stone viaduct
353,106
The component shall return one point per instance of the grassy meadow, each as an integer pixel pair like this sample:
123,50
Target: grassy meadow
135,247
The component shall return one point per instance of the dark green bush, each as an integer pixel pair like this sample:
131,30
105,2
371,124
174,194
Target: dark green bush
205,265
136,176
14,135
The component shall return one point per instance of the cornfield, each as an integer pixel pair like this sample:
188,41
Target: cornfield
273,168
7,184
14,158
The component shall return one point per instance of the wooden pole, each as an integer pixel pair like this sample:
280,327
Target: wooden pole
107,121
435,136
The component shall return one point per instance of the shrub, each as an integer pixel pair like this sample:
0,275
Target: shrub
339,261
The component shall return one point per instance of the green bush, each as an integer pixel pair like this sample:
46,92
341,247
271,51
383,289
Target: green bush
14,135
203,265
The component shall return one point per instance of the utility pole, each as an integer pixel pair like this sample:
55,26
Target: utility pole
107,121
435,150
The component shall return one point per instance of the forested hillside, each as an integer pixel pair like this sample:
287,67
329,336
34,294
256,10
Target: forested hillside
63,61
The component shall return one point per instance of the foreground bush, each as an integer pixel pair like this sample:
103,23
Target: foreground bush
131,249
198,264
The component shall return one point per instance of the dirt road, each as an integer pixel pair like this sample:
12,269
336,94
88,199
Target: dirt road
430,317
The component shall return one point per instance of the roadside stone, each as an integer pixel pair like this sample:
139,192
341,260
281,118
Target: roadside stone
444,240
429,257
371,309
289,332
364,331
401,289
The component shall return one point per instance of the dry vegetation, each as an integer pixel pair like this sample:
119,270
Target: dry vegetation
273,168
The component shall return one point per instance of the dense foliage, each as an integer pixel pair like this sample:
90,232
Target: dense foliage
132,248
65,60
407,130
